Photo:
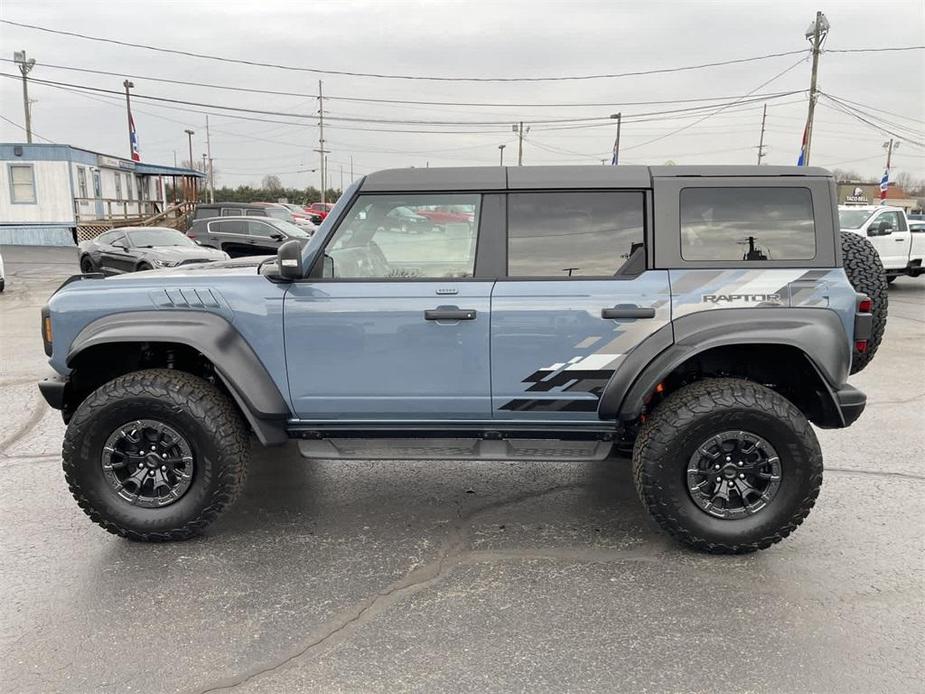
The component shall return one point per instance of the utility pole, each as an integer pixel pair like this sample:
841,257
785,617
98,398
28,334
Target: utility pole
816,34
764,115
501,149
19,57
351,169
342,178
616,143
885,181
175,159
133,151
322,152
189,134
211,167
519,129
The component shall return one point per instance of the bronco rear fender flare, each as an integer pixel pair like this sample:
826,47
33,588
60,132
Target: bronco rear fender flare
236,363
816,332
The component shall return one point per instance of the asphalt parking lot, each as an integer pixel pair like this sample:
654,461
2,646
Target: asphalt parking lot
460,576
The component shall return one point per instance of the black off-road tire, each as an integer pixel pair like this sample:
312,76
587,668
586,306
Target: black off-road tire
202,414
141,267
86,265
866,274
679,426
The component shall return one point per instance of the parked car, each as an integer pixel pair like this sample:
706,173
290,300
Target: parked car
2,275
233,209
281,211
406,220
241,236
900,247
520,338
130,249
302,218
445,215
319,210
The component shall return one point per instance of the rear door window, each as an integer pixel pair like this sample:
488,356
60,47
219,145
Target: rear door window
750,224
230,226
574,234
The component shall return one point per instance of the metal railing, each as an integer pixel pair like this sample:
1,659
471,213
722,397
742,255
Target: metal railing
175,216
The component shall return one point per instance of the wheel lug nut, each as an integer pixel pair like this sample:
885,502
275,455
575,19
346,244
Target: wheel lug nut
164,455
716,467
741,475
163,467
152,474
153,448
728,457
730,483
719,479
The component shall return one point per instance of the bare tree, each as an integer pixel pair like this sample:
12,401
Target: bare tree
909,183
271,183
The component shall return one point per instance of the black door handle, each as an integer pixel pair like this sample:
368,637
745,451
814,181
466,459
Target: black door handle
628,312
449,314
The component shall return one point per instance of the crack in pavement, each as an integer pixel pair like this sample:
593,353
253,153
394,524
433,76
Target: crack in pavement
451,555
26,427
902,401
876,473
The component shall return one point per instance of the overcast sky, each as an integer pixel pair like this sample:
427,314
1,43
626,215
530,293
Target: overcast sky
530,38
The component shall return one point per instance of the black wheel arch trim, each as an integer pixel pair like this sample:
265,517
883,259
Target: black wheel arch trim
235,361
817,333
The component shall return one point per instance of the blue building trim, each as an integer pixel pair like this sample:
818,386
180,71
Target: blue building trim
36,235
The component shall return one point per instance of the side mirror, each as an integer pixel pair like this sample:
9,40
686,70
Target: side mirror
328,269
882,228
289,259
277,237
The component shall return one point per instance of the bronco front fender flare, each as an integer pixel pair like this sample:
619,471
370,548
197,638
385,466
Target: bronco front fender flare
236,363
817,332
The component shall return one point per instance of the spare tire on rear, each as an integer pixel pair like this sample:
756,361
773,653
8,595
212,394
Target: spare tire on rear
865,272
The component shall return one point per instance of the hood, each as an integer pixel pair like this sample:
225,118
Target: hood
184,253
233,267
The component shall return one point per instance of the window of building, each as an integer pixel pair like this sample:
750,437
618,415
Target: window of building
574,234
396,237
118,179
142,188
22,183
128,187
755,224
81,182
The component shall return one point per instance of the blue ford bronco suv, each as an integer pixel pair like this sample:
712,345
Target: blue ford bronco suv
701,317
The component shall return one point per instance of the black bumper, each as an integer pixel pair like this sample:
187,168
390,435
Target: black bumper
53,390
851,403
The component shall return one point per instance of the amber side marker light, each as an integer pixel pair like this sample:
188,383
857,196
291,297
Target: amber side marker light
46,328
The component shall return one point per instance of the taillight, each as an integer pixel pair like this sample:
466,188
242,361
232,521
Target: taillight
865,305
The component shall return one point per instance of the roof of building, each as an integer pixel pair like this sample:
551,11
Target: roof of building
41,151
558,177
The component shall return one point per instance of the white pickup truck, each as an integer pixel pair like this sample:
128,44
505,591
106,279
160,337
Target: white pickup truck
900,243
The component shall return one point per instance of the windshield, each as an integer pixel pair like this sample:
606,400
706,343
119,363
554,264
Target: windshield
853,219
288,228
159,237
279,213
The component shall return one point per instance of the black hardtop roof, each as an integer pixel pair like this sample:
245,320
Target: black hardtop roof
558,177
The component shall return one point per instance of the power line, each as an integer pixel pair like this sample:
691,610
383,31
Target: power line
874,50
17,125
349,73
372,100
856,113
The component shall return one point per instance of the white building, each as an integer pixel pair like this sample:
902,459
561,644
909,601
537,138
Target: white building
49,191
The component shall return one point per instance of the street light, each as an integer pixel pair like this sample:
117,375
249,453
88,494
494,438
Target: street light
501,149
19,57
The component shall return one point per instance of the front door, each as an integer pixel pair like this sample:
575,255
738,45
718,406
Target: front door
396,327
576,300
891,237
97,194
261,235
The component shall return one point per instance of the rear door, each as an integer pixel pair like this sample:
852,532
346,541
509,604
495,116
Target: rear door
396,327
576,299
230,235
